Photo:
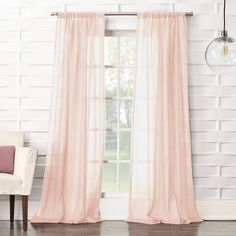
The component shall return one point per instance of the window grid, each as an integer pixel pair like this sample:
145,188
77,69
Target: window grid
118,129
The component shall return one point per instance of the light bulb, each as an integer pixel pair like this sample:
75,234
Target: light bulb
225,50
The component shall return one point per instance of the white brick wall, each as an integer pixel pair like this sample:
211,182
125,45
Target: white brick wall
26,63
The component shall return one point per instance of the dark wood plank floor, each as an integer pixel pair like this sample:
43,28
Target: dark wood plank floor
121,228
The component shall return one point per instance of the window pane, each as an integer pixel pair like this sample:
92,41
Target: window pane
111,114
119,80
126,82
124,145
111,146
125,113
111,50
111,82
127,51
109,178
124,177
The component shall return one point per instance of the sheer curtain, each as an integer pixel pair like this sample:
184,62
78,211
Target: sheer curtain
72,181
161,175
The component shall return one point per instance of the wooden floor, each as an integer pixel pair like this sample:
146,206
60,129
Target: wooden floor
121,228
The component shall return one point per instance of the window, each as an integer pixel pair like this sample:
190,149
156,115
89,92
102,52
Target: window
119,77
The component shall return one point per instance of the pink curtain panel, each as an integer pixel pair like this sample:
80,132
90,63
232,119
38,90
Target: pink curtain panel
161,175
72,180
161,180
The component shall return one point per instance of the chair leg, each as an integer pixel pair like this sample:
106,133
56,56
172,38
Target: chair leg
12,207
25,212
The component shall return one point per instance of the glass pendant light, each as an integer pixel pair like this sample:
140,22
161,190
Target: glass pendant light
220,54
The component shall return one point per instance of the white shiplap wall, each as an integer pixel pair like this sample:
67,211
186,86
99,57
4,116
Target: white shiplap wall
26,62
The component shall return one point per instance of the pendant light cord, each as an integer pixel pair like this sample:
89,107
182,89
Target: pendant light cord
224,15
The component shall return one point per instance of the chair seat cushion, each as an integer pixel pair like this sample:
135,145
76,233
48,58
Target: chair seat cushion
10,184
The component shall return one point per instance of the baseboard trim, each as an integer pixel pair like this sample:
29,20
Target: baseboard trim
208,209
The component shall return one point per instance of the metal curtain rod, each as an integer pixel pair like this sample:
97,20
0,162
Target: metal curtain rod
123,14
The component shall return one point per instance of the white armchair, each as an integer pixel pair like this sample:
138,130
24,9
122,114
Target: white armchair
20,183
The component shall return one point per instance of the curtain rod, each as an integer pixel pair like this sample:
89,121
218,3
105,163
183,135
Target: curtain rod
123,13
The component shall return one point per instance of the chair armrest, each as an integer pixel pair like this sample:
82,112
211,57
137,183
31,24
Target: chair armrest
25,162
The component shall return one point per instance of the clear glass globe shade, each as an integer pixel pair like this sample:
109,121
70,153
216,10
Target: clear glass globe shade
220,56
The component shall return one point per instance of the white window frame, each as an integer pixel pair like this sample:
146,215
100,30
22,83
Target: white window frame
118,195
115,206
